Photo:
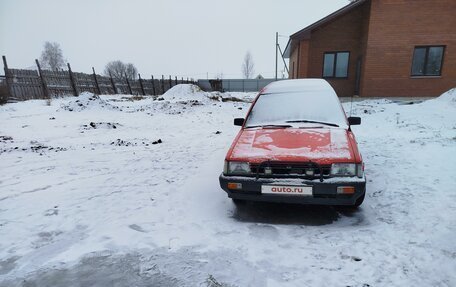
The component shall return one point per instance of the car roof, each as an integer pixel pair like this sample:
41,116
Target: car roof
317,94
320,86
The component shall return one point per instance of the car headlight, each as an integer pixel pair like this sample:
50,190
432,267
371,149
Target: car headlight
236,167
344,169
360,170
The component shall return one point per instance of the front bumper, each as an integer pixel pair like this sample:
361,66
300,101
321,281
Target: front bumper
324,193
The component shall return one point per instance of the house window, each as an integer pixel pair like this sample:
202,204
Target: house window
427,61
335,65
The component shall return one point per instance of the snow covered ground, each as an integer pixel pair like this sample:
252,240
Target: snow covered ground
123,191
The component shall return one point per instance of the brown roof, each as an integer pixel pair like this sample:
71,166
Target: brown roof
305,33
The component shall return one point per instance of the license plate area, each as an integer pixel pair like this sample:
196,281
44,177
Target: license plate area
298,190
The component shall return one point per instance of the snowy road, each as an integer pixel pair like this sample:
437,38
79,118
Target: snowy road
105,192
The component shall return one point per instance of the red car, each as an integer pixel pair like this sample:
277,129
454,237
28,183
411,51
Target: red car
295,146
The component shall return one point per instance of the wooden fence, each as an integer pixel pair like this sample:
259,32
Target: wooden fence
43,84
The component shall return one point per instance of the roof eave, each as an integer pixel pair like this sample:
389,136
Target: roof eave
305,33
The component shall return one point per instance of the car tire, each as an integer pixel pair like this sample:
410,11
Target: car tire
238,202
359,201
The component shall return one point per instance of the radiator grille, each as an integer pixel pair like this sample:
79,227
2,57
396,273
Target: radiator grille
301,169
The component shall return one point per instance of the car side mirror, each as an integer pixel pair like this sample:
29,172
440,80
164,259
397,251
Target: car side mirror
238,121
353,121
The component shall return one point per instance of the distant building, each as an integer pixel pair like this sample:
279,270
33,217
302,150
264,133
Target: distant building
380,48
259,77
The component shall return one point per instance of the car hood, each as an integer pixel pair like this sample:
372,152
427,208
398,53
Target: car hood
322,145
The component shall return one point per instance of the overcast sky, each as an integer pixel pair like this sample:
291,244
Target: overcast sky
188,38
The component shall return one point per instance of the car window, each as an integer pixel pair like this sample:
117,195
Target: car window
278,108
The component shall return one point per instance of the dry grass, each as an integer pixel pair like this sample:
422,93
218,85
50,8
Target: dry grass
137,98
233,99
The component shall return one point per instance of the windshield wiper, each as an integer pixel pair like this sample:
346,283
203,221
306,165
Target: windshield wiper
269,126
313,122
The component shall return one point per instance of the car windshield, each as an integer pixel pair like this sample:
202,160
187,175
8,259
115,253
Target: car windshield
301,108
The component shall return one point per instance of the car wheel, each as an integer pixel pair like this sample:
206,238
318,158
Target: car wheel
238,201
359,201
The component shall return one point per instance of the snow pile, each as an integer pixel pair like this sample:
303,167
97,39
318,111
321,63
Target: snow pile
122,100
140,204
84,101
191,93
448,97
437,113
184,93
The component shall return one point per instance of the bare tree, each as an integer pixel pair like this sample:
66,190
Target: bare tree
131,71
118,70
248,66
52,56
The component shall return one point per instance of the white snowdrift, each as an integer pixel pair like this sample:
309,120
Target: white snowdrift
141,204
84,101
189,92
448,97
184,92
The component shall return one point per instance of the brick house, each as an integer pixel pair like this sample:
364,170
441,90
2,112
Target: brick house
380,48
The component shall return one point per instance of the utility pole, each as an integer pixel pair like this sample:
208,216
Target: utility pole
276,46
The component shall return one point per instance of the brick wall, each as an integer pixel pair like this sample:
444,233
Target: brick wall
293,64
395,28
343,34
304,54
347,33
